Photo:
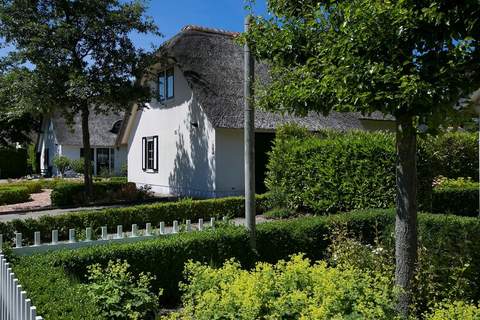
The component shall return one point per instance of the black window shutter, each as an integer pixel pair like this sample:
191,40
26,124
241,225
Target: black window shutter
155,145
144,154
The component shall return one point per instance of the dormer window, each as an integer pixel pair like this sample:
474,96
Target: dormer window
166,84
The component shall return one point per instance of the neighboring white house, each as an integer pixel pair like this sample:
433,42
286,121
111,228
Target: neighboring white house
188,141
58,138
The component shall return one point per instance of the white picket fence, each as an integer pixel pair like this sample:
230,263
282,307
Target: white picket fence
134,235
14,304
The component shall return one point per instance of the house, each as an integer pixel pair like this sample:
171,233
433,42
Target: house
59,138
188,140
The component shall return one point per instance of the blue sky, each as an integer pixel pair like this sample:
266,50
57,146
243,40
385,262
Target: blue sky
172,15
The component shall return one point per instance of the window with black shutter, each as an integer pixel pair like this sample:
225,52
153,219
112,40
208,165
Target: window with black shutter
150,154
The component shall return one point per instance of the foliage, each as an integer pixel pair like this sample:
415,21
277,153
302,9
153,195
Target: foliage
16,122
77,165
13,163
120,295
91,63
457,310
62,163
294,289
11,195
461,201
32,158
451,242
442,182
329,172
139,214
455,155
32,186
74,194
278,213
375,56
55,294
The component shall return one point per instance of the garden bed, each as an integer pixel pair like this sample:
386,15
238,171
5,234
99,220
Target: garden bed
54,281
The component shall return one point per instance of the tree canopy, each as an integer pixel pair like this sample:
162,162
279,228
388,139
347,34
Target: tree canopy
403,56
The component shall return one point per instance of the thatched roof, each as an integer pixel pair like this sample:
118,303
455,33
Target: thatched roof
100,126
212,63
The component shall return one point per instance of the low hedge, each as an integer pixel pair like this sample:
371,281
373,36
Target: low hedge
139,214
67,194
32,186
12,195
461,201
165,257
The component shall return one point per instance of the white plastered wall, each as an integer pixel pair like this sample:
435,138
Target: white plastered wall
186,145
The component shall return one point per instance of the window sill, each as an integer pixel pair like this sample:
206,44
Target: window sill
150,171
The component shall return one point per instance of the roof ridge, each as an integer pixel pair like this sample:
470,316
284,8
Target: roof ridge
192,27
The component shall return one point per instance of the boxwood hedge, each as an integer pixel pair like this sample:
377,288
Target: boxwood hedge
11,195
165,257
328,172
126,216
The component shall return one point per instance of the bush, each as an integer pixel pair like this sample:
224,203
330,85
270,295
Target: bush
294,289
447,238
457,310
13,163
330,172
455,154
118,294
139,214
77,165
461,201
73,194
13,195
32,186
62,163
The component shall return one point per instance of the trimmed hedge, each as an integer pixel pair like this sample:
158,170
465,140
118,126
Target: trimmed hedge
329,172
32,186
13,163
139,214
461,201
165,257
67,194
12,195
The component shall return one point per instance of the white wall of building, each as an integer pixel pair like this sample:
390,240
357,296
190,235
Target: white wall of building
229,162
186,145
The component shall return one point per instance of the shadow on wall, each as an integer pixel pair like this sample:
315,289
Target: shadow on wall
193,171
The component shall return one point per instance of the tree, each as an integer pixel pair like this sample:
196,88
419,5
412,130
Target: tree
81,55
409,59
16,122
62,163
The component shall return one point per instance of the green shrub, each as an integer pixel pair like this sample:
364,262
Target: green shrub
455,154
13,195
329,172
77,165
32,186
294,289
73,194
13,163
279,213
461,201
139,214
447,238
62,163
118,294
457,310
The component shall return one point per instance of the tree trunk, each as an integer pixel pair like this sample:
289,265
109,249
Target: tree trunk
87,152
406,218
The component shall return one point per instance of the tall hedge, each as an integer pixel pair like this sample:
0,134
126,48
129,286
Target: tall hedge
13,163
329,172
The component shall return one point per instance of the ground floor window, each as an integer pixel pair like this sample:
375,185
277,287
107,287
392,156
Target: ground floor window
103,160
150,153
